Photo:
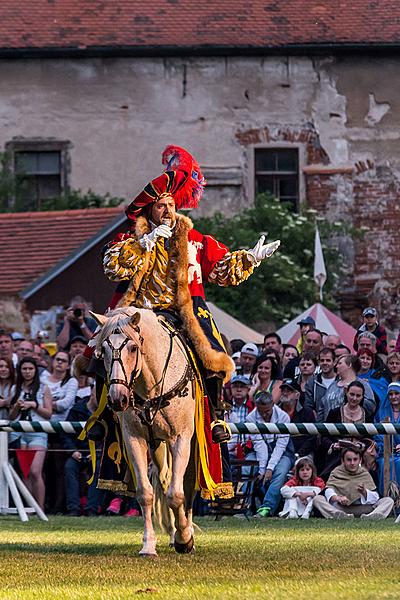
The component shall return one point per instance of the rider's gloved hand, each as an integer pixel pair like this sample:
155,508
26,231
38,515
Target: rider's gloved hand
261,250
149,239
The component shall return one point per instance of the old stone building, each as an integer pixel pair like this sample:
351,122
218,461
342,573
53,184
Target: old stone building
298,98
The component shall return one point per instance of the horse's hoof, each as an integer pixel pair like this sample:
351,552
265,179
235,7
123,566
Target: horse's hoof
171,545
147,555
184,548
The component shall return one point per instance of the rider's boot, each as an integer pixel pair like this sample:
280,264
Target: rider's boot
219,429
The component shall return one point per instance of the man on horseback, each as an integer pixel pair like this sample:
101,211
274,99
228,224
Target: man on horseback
162,263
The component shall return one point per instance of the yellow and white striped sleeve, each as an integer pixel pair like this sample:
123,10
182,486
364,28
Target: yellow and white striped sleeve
232,269
123,260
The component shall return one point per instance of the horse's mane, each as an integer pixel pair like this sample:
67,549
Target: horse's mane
122,318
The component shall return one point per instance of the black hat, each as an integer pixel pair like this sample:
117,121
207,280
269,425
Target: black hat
292,384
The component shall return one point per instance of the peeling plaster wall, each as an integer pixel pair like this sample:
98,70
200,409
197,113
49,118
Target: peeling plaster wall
342,113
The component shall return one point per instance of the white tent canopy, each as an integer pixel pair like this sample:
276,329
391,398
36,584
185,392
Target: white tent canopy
232,328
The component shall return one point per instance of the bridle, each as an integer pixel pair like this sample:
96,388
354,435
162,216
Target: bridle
116,357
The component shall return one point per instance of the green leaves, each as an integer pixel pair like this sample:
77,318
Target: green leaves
283,285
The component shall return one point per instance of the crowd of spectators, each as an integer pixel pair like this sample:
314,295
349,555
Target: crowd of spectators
318,379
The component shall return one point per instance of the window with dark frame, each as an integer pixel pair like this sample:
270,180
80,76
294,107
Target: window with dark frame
277,172
40,169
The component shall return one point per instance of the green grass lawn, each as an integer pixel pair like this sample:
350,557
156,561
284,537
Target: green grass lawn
73,558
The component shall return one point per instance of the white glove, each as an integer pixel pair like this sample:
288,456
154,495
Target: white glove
261,250
149,239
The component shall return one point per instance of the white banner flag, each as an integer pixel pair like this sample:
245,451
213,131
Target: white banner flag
319,264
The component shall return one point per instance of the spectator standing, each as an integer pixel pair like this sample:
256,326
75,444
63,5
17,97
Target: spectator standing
367,372
79,460
272,341
289,352
393,366
347,367
307,365
391,409
241,406
290,402
370,317
25,348
77,346
341,350
7,380
248,356
350,491
274,453
266,377
300,490
76,323
27,404
305,325
316,386
60,389
351,411
332,341
7,347
312,343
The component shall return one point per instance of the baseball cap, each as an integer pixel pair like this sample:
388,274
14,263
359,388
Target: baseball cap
79,338
235,355
250,349
370,311
240,379
16,336
292,384
307,321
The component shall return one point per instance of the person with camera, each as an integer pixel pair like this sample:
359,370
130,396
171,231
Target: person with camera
79,461
76,324
29,404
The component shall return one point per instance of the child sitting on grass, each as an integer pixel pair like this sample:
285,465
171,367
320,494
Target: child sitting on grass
300,490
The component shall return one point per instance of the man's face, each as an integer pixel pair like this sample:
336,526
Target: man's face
351,461
367,344
271,343
76,348
326,363
313,341
370,321
341,352
247,361
163,212
289,395
391,345
239,391
6,345
306,366
25,349
332,341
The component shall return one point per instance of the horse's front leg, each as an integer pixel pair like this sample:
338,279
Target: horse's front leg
137,448
180,449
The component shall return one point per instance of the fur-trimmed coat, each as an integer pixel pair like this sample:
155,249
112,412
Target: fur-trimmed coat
192,259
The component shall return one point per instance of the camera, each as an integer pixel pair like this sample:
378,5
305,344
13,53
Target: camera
77,313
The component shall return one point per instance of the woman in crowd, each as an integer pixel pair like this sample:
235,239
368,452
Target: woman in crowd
351,411
393,366
289,352
347,368
7,380
374,377
28,403
266,377
301,489
391,410
60,389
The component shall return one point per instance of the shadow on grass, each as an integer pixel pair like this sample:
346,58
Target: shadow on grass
71,549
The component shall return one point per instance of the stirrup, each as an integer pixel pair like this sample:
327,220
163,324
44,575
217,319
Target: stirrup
220,431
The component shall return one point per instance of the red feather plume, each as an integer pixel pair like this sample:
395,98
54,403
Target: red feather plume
190,189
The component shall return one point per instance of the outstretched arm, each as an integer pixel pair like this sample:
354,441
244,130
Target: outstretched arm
236,267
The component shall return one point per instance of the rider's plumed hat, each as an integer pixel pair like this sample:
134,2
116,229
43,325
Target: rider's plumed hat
182,179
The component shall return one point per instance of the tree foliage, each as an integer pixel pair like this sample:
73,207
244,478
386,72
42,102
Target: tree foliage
283,285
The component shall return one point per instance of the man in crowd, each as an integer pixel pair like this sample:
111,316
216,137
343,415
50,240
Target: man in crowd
305,325
351,491
317,385
248,357
77,346
313,343
272,341
368,341
341,350
371,325
76,323
26,348
7,347
304,445
332,341
274,453
79,461
241,406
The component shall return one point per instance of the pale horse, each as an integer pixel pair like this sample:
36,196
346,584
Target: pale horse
151,388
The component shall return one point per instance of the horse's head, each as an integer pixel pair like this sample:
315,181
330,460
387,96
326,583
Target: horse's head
119,344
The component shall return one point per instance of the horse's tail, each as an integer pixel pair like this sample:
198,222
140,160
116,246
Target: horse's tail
160,478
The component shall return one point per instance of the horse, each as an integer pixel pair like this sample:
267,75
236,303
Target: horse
151,388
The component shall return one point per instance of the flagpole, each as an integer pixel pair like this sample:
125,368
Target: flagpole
319,264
